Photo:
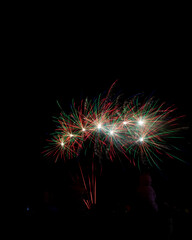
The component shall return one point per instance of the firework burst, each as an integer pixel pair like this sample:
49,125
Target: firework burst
151,126
138,129
141,130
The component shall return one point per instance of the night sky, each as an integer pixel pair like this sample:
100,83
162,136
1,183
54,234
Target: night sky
55,69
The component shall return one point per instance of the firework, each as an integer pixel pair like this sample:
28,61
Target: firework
140,129
149,127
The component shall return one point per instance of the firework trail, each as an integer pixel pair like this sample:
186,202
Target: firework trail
89,183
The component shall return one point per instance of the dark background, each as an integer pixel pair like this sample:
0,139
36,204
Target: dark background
81,61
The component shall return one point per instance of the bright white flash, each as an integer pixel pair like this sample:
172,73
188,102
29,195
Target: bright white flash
62,144
124,122
141,122
141,139
99,126
111,132
83,129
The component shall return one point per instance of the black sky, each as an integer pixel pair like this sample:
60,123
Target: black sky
63,67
